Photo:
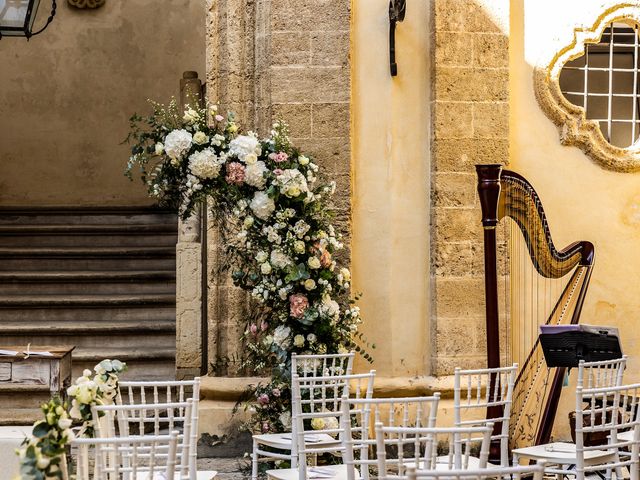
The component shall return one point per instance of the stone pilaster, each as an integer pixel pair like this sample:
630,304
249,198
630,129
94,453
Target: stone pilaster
470,115
268,60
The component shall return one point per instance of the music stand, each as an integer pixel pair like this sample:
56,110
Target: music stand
566,345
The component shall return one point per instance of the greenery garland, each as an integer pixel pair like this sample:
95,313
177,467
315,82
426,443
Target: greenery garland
274,212
42,456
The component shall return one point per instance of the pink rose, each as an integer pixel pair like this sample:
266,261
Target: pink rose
264,325
298,305
253,329
263,399
235,173
279,157
219,118
265,427
278,171
325,259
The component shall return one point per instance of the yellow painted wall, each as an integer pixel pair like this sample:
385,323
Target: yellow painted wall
390,184
67,94
582,201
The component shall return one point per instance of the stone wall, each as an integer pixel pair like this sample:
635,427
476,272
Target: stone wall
470,111
268,60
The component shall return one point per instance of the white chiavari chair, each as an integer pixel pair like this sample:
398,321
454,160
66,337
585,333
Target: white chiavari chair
280,444
610,413
399,448
317,415
473,395
167,391
156,419
150,457
533,472
606,373
360,415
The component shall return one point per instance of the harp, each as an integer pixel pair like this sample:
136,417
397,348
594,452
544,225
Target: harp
547,286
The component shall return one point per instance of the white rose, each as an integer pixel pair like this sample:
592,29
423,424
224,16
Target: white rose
244,145
298,246
254,174
72,391
64,423
314,262
265,268
43,462
302,160
292,183
190,116
261,205
176,143
250,158
311,338
86,372
205,164
200,138
248,221
84,394
329,307
317,423
279,259
159,148
261,256
298,341
346,274
309,284
281,336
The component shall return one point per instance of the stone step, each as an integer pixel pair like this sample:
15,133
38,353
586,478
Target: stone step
143,363
114,313
95,263
87,327
85,216
94,301
86,252
86,341
18,416
79,288
88,235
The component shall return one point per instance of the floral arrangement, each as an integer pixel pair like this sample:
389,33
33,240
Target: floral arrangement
275,216
43,455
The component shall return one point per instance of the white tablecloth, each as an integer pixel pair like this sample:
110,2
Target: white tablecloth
10,439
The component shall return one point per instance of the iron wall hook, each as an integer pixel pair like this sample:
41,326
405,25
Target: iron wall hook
397,10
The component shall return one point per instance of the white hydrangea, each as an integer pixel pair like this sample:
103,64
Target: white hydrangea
246,148
279,259
205,164
329,307
176,143
281,336
292,183
261,205
254,175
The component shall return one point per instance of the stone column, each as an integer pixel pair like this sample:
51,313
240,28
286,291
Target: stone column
470,113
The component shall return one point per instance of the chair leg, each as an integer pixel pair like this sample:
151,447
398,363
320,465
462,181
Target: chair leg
254,461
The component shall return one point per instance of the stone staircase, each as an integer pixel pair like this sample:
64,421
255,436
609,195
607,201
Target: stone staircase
100,279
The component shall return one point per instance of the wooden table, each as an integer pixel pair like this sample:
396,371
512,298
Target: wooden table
35,372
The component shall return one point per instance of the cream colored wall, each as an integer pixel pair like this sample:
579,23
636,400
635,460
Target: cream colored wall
67,94
390,185
582,201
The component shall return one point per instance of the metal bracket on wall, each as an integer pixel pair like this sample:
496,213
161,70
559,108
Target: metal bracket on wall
397,9
86,3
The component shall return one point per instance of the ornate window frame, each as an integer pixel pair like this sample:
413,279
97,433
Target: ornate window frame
575,128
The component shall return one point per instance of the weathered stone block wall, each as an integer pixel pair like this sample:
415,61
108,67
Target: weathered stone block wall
278,59
470,115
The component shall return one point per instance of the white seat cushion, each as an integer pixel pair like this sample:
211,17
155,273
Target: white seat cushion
282,441
562,453
329,472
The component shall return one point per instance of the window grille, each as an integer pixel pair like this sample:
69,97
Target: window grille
604,81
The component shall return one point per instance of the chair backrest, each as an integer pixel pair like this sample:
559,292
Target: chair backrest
317,411
360,415
165,391
607,412
155,419
476,390
607,373
322,365
399,448
130,458
534,472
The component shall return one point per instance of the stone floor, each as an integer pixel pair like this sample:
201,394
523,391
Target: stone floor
227,468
